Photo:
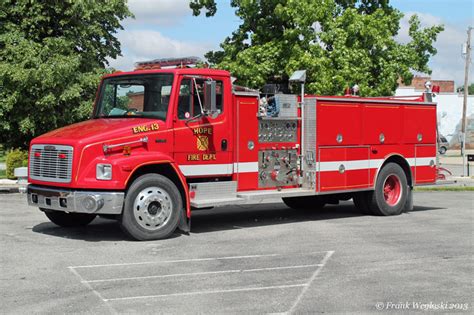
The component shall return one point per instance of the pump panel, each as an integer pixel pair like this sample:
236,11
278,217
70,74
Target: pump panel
277,168
277,130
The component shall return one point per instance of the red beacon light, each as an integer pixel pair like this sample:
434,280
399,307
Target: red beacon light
185,62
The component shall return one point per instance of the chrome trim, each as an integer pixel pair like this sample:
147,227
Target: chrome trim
107,147
112,201
48,166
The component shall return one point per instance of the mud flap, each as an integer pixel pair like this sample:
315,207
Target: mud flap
409,203
184,223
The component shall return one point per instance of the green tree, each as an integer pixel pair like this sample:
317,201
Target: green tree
338,42
470,89
52,54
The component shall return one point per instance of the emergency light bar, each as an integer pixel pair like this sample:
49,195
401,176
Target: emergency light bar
166,62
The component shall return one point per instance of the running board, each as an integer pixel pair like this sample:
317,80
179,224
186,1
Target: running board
224,194
283,193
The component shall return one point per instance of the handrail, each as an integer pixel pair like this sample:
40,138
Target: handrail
107,147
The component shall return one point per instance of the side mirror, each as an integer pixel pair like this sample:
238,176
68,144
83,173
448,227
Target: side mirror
209,105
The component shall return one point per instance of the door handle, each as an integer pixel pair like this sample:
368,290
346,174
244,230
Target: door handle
224,145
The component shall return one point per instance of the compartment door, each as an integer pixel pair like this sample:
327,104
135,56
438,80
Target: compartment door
331,169
425,164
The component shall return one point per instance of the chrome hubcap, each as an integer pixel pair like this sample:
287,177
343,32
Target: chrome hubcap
152,208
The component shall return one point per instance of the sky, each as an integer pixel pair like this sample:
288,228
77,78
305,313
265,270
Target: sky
166,28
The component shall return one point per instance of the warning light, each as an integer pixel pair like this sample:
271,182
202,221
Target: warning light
127,150
37,154
62,156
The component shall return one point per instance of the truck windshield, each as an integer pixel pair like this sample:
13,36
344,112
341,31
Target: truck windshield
135,96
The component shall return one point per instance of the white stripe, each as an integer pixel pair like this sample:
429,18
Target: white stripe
424,161
178,261
252,167
209,292
206,169
246,167
411,161
219,169
349,165
376,163
203,273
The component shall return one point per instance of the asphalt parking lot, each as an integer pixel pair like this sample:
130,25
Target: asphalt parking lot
264,258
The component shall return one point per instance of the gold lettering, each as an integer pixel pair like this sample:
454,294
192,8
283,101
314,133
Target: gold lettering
202,131
145,128
194,157
208,157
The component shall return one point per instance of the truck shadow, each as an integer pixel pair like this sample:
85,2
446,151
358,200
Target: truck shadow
217,219
98,231
272,214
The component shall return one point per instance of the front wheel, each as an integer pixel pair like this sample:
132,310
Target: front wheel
152,208
391,191
65,219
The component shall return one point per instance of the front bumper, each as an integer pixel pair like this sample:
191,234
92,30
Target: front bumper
98,202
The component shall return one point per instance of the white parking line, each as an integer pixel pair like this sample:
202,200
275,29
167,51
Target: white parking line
304,286
208,292
308,284
202,273
174,261
110,308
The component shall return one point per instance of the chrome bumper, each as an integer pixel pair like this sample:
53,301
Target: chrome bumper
98,202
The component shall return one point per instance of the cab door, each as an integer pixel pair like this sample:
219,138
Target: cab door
202,144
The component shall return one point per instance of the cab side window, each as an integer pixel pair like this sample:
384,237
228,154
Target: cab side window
191,97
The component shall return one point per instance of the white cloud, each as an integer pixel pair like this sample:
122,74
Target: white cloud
141,45
447,64
158,12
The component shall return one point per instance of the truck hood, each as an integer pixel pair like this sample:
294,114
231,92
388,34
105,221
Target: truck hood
93,130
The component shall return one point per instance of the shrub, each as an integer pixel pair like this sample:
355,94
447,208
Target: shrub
15,158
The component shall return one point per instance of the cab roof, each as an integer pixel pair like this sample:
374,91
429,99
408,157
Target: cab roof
175,71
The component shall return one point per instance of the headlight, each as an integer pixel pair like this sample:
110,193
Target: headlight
103,172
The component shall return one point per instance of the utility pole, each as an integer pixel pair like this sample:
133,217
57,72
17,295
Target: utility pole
464,106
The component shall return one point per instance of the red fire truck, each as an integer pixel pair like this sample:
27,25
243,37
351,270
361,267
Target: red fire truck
163,142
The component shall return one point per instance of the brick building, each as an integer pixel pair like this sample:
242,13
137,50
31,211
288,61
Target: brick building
418,83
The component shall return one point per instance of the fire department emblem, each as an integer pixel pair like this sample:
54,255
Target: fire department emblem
202,143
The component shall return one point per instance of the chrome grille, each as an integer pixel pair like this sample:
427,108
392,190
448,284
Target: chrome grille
51,163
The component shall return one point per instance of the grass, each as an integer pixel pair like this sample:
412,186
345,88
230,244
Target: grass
446,188
3,174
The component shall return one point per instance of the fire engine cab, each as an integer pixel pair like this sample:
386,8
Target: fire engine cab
163,142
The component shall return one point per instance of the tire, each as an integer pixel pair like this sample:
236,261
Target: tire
442,150
307,203
361,202
391,191
152,208
65,219
409,204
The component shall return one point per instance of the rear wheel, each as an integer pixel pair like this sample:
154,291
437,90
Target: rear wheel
391,190
152,208
65,219
442,150
307,202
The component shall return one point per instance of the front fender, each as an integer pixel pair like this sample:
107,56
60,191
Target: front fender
156,164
